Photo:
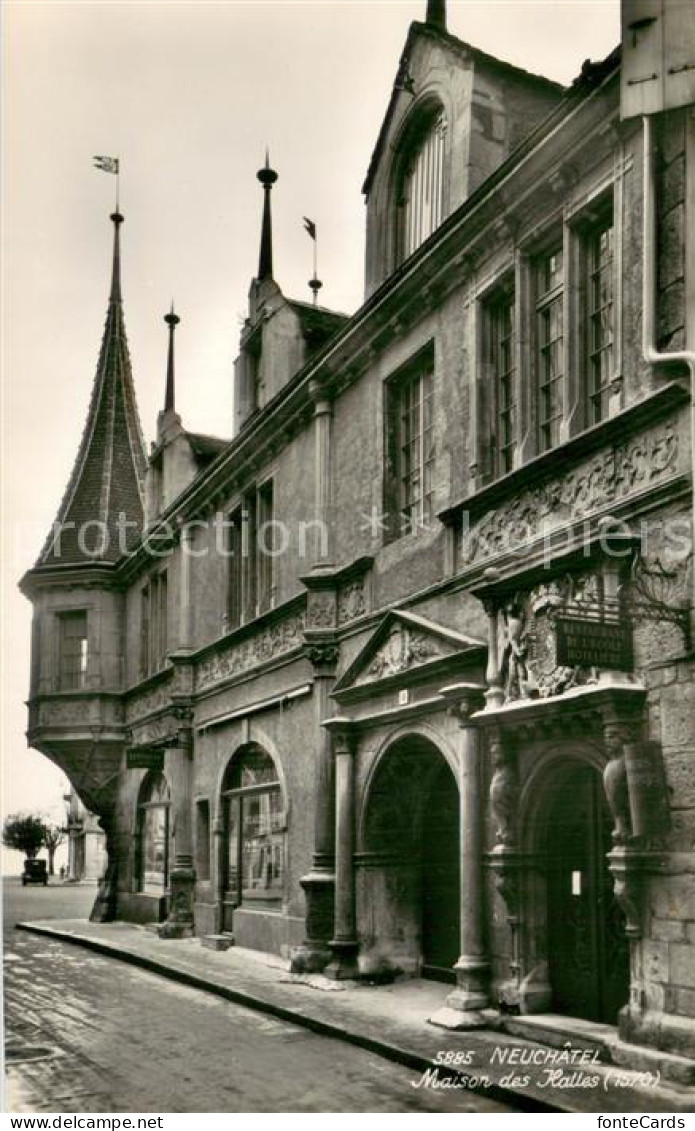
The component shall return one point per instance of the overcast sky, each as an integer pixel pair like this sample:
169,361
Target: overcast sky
187,95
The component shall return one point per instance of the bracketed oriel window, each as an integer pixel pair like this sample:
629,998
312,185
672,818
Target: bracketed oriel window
420,192
153,818
410,448
254,819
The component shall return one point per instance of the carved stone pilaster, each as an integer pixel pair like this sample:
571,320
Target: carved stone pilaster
505,858
504,790
615,781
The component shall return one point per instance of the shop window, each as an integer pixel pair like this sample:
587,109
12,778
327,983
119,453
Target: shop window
254,828
73,650
154,833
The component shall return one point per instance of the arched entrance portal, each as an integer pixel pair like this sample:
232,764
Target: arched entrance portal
588,954
410,887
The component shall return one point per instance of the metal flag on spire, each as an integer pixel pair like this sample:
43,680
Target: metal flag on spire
315,283
109,165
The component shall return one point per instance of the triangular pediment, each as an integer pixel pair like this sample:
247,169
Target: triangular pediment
404,645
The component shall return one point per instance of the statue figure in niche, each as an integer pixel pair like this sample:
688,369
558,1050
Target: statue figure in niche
517,679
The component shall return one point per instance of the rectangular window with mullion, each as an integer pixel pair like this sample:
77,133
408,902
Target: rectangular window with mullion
500,350
73,650
549,273
599,262
416,449
265,553
409,447
236,565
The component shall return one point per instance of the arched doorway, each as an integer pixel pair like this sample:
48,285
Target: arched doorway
411,885
254,833
588,952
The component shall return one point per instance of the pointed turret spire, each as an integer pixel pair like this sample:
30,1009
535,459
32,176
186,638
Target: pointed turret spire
267,177
436,14
172,320
102,511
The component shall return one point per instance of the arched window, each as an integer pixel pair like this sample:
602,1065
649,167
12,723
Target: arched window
255,828
420,185
153,817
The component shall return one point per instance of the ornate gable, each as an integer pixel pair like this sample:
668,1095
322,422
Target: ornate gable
406,648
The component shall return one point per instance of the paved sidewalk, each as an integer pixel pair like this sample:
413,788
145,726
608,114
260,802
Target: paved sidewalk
389,1020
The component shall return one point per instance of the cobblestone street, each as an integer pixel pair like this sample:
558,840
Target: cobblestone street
87,1034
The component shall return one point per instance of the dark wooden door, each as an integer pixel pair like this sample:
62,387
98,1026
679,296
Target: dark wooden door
440,876
587,948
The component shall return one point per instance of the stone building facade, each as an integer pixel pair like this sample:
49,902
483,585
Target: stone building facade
399,681
86,842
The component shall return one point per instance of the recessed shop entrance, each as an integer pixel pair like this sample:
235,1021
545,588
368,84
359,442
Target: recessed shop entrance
412,854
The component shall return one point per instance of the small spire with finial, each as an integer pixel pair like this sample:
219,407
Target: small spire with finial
115,295
172,320
267,177
436,14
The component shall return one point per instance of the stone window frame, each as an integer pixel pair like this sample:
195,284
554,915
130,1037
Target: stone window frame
428,113
486,408
154,623
251,575
423,362
63,617
570,228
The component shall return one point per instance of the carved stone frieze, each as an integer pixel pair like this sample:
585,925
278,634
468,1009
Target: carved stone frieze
351,601
148,702
74,712
321,610
404,648
80,712
612,475
239,656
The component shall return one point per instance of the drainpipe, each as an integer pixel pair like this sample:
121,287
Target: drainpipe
651,355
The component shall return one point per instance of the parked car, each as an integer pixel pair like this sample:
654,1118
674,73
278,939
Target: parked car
34,872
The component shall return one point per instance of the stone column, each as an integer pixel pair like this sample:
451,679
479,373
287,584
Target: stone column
319,884
323,410
185,627
344,942
463,1006
505,859
179,923
219,841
